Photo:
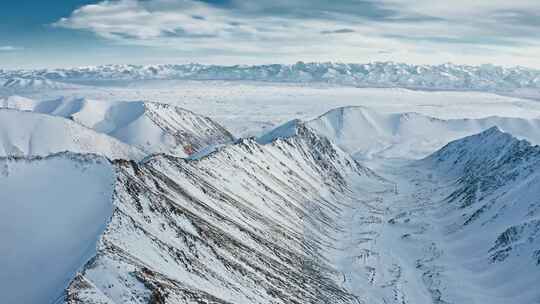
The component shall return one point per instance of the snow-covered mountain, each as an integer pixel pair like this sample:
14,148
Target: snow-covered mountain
489,216
460,226
147,126
286,218
34,134
378,74
31,84
249,223
366,133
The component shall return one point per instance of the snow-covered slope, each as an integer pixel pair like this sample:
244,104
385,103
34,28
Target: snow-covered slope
34,134
377,74
490,217
461,226
249,223
366,133
150,127
52,212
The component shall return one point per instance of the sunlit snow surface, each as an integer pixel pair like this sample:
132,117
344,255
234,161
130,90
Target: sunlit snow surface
35,134
146,127
367,134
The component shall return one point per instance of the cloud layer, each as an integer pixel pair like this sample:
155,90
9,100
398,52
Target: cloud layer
505,32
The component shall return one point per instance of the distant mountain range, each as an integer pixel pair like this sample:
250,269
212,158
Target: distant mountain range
379,74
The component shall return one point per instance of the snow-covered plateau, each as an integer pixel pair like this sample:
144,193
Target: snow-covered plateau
274,193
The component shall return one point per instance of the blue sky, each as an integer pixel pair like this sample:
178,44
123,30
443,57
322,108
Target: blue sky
61,33
28,38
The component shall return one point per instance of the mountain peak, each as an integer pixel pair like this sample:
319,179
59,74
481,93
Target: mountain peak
481,153
492,131
285,130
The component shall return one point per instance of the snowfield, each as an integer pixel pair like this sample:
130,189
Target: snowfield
53,211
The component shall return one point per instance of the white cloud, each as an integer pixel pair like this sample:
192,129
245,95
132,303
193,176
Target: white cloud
426,31
131,19
460,8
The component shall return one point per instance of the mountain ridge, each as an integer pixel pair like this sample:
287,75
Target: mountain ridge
148,126
490,205
274,173
366,133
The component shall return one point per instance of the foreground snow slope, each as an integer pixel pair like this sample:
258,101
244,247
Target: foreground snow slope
150,127
366,133
52,212
34,134
248,223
